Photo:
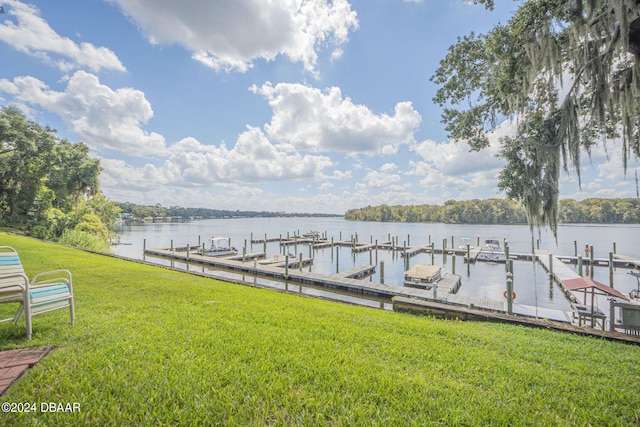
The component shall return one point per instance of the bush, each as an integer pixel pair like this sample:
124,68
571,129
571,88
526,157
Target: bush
40,232
84,239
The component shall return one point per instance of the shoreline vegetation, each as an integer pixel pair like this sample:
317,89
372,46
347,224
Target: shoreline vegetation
159,211
503,211
153,346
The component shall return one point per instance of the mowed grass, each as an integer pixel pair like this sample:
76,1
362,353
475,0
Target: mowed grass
156,347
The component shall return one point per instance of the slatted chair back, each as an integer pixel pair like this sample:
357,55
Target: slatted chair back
13,280
47,291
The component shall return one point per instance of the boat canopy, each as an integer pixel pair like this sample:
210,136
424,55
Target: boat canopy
586,283
220,242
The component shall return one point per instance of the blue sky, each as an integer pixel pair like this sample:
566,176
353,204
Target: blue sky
289,105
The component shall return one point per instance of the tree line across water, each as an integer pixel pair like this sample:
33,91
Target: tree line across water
139,212
502,211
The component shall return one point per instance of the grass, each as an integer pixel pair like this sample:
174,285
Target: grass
157,347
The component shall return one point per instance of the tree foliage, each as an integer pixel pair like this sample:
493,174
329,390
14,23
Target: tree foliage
568,70
502,211
48,185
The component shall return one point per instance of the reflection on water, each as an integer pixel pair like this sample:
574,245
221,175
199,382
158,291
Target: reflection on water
481,279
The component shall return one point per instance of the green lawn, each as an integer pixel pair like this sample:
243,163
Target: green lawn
155,347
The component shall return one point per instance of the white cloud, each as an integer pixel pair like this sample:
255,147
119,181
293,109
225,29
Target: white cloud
252,159
230,35
194,165
103,118
380,179
31,34
322,121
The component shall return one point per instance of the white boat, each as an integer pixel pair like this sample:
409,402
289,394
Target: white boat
276,259
422,276
491,251
220,246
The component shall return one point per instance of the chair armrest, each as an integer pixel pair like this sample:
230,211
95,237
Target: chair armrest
4,285
51,277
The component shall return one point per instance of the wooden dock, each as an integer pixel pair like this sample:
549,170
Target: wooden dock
349,281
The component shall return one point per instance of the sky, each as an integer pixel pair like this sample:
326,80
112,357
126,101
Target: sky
276,105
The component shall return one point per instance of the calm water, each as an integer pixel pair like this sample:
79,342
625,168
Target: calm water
481,279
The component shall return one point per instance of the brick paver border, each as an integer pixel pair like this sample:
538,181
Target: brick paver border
13,363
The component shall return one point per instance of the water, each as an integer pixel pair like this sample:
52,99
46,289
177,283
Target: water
482,279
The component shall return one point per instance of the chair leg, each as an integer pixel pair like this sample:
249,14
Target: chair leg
27,312
73,310
19,311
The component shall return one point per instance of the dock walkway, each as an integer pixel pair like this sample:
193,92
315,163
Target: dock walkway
347,281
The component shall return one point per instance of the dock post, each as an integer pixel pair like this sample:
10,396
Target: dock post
199,241
611,268
580,265
252,237
144,245
286,267
575,248
478,242
468,253
506,255
432,250
188,249
614,248
244,253
202,248
311,250
337,259
509,293
332,241
453,264
172,251
382,272
429,238
300,261
452,243
591,259
550,264
370,257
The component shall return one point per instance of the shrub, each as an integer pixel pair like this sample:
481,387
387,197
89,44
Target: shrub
84,239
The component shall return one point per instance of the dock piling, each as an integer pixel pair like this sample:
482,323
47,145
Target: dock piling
509,293
611,269
580,265
286,267
382,272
